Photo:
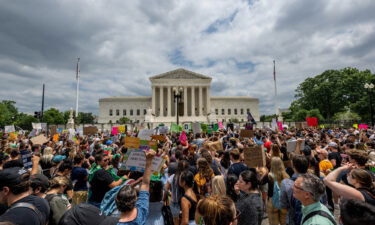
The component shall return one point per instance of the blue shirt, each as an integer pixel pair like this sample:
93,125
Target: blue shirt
142,209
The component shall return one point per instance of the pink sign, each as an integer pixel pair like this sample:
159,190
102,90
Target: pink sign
280,125
220,125
362,126
114,130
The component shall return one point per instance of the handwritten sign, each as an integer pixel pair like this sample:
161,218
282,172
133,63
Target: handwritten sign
9,129
291,145
254,156
246,133
132,142
39,140
159,138
145,134
90,130
135,160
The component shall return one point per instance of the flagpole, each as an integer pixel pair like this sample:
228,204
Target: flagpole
274,80
77,78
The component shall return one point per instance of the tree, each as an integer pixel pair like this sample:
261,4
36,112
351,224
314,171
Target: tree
123,120
53,116
332,91
345,116
8,112
24,121
85,118
267,118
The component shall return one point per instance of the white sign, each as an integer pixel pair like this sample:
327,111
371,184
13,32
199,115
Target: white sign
9,129
196,127
136,160
163,130
291,145
145,134
274,124
37,126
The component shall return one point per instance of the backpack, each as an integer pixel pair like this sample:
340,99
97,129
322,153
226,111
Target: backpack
320,213
276,194
82,214
30,206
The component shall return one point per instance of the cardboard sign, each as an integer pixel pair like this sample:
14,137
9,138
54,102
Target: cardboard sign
90,130
158,138
132,142
246,133
39,140
215,146
9,129
196,127
254,156
291,145
135,160
53,129
145,134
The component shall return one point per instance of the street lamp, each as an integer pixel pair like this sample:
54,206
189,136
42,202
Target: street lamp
369,88
177,94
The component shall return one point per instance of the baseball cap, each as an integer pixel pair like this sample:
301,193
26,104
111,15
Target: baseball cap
11,176
332,144
40,180
58,158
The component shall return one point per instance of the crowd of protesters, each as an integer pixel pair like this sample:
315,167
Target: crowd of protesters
83,181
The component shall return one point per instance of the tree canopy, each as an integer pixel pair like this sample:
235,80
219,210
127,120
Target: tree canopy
332,92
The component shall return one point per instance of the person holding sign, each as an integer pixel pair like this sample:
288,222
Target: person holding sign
134,210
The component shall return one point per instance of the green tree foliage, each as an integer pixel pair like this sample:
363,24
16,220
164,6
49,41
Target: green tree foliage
267,118
53,116
332,91
8,112
85,118
24,121
345,116
123,120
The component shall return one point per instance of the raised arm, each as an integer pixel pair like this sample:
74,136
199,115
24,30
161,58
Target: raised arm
147,174
341,189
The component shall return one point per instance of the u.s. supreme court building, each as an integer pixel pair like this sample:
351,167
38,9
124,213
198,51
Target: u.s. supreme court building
179,90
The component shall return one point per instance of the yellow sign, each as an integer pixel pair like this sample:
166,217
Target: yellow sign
121,129
132,142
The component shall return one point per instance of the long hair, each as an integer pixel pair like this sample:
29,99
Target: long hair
204,168
218,185
278,169
364,178
217,209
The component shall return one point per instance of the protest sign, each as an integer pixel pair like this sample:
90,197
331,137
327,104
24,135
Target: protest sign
220,125
90,130
163,130
147,145
9,129
254,156
80,131
135,160
246,133
186,127
145,134
196,127
291,145
362,126
274,124
215,127
55,137
174,128
312,121
204,127
39,140
115,130
121,129
12,136
26,159
215,146
33,133
280,125
159,138
59,130
355,126
132,142
37,126
53,129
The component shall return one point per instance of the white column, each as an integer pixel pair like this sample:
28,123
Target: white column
208,102
154,100
169,106
185,101
192,101
200,101
161,102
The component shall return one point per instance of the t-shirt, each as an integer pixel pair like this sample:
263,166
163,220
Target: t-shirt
100,185
237,168
142,209
79,178
336,156
28,216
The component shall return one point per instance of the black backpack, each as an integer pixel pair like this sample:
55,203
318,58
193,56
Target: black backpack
82,214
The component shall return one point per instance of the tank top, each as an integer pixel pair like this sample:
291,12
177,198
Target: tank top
193,205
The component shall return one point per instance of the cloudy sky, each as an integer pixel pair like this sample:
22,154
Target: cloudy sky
122,43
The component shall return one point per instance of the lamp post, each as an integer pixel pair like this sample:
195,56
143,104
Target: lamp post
177,94
369,88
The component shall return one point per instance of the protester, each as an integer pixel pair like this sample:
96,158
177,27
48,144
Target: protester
308,189
189,199
354,212
216,209
79,177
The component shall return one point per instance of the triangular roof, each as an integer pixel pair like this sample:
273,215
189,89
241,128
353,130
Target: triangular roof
180,74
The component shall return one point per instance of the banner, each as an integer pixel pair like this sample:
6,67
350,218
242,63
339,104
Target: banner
254,156
9,129
135,160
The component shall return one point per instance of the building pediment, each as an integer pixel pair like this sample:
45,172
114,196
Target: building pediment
180,74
